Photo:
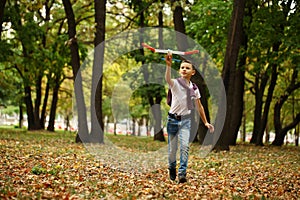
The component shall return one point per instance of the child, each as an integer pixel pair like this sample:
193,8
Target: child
179,120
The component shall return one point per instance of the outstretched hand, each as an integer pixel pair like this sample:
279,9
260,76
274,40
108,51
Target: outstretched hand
169,59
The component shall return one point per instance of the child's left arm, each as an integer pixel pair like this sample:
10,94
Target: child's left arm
202,115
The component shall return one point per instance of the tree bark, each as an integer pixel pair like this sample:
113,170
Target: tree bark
21,114
230,72
261,114
182,44
51,125
17,22
297,136
264,119
29,108
2,8
199,133
259,87
82,135
179,26
43,113
97,129
44,42
156,110
37,102
238,98
280,132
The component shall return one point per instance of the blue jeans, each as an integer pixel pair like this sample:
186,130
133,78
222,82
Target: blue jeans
178,130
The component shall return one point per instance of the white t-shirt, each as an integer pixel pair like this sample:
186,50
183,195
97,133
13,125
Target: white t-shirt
179,98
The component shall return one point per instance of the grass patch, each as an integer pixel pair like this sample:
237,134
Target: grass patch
22,134
135,143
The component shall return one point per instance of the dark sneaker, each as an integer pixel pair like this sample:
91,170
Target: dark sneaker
182,179
172,173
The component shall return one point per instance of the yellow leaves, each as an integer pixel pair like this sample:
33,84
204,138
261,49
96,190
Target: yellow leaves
64,170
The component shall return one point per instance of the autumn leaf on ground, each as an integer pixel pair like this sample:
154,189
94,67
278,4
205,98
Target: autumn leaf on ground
50,165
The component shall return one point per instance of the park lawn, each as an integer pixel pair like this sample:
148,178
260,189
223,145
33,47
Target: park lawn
36,165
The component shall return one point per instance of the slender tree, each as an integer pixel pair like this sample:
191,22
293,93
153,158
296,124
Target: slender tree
151,92
266,79
179,26
28,75
280,131
97,130
156,110
182,44
199,20
234,40
82,135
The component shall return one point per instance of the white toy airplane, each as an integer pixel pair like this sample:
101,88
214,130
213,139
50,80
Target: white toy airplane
169,51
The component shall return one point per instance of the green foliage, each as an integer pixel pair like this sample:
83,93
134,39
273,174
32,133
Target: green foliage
39,47
273,36
208,23
5,50
10,110
40,170
37,170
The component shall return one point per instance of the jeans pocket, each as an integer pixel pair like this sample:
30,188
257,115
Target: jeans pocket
172,126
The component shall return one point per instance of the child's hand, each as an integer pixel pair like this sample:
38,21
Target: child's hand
169,59
210,127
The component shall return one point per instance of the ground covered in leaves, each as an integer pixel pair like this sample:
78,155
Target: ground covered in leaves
41,165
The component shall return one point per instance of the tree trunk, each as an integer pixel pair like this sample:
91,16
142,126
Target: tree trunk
161,26
29,108
51,124
279,130
17,22
264,120
20,114
259,87
37,102
230,73
115,127
181,39
2,8
44,42
156,110
43,113
297,136
238,96
182,44
97,129
244,132
279,138
82,135
133,127
199,133
261,121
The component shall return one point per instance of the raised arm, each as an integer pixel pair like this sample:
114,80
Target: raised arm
168,69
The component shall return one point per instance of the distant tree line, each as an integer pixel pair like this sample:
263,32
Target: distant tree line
255,45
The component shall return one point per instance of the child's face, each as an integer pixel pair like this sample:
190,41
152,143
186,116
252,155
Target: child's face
186,70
